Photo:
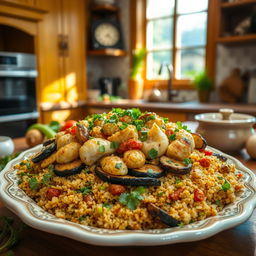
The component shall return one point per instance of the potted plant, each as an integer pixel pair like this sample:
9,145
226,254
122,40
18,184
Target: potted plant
203,84
136,82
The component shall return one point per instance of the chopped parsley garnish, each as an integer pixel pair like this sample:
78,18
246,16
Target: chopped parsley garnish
114,145
51,167
150,170
47,177
144,136
187,161
97,117
177,181
132,200
160,193
90,137
85,190
134,113
181,225
218,202
172,137
27,164
226,186
118,111
33,183
81,218
139,124
112,119
181,126
102,149
152,153
166,119
220,178
123,126
118,165
169,161
107,205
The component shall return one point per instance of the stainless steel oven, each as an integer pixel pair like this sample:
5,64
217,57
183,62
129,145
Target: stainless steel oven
17,93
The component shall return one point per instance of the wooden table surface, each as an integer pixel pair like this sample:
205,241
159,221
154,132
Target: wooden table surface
236,241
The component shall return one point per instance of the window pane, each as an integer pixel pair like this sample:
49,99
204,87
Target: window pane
159,34
159,8
188,60
154,60
188,6
191,30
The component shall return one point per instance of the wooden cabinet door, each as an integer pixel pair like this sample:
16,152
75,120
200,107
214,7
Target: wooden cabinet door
73,21
51,86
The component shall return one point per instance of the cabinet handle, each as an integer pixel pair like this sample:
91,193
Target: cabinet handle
63,45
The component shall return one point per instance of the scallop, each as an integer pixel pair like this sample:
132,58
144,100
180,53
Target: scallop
113,165
157,140
129,132
68,153
94,149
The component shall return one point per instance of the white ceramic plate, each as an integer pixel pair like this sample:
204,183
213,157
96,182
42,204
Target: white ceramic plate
17,201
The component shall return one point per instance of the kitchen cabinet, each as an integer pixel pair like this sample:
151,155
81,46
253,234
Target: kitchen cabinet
61,54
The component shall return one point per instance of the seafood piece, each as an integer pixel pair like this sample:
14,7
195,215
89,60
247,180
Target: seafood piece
129,132
68,153
114,165
65,139
182,146
134,158
156,140
94,149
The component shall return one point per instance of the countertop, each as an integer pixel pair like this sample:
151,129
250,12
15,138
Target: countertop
193,107
236,241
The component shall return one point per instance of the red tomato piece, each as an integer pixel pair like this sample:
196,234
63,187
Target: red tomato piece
207,153
129,145
169,132
68,124
198,195
176,194
205,162
71,130
116,190
52,192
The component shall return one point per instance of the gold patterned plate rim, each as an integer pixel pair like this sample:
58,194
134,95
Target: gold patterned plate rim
233,214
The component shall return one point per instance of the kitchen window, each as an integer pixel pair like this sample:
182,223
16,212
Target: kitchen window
173,32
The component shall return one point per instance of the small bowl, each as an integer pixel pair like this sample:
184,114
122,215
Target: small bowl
6,146
226,131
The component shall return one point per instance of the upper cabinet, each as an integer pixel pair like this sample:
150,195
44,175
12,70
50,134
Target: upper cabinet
61,52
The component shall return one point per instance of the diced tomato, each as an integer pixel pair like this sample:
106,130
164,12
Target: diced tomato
68,124
169,132
198,195
52,192
129,145
176,194
206,152
205,162
239,175
116,190
71,130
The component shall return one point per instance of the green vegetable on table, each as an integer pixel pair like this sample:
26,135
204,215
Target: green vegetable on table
4,161
45,129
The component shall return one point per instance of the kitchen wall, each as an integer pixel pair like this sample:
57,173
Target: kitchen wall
113,66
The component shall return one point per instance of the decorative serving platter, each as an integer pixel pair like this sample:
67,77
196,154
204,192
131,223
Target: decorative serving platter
233,214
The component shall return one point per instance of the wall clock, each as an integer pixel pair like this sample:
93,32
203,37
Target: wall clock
106,34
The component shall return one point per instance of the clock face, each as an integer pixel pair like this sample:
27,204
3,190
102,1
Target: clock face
106,34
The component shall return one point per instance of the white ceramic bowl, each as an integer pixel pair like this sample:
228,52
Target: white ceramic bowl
17,201
6,146
226,135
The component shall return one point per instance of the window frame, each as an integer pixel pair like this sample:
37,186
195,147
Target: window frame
138,23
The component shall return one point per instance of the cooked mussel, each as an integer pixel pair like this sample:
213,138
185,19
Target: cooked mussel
46,151
126,179
148,170
72,168
174,166
48,142
163,215
200,142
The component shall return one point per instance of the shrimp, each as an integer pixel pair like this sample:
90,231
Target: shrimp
68,153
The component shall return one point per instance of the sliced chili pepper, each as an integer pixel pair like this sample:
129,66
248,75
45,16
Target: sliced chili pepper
52,192
176,194
128,145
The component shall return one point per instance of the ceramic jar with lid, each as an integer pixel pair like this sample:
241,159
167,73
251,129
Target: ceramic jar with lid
226,131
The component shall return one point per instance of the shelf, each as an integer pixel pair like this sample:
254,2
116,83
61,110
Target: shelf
237,4
237,39
104,8
107,52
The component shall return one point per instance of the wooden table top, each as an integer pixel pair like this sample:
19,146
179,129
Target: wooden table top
240,240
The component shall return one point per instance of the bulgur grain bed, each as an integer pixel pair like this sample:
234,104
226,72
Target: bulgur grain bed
80,195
